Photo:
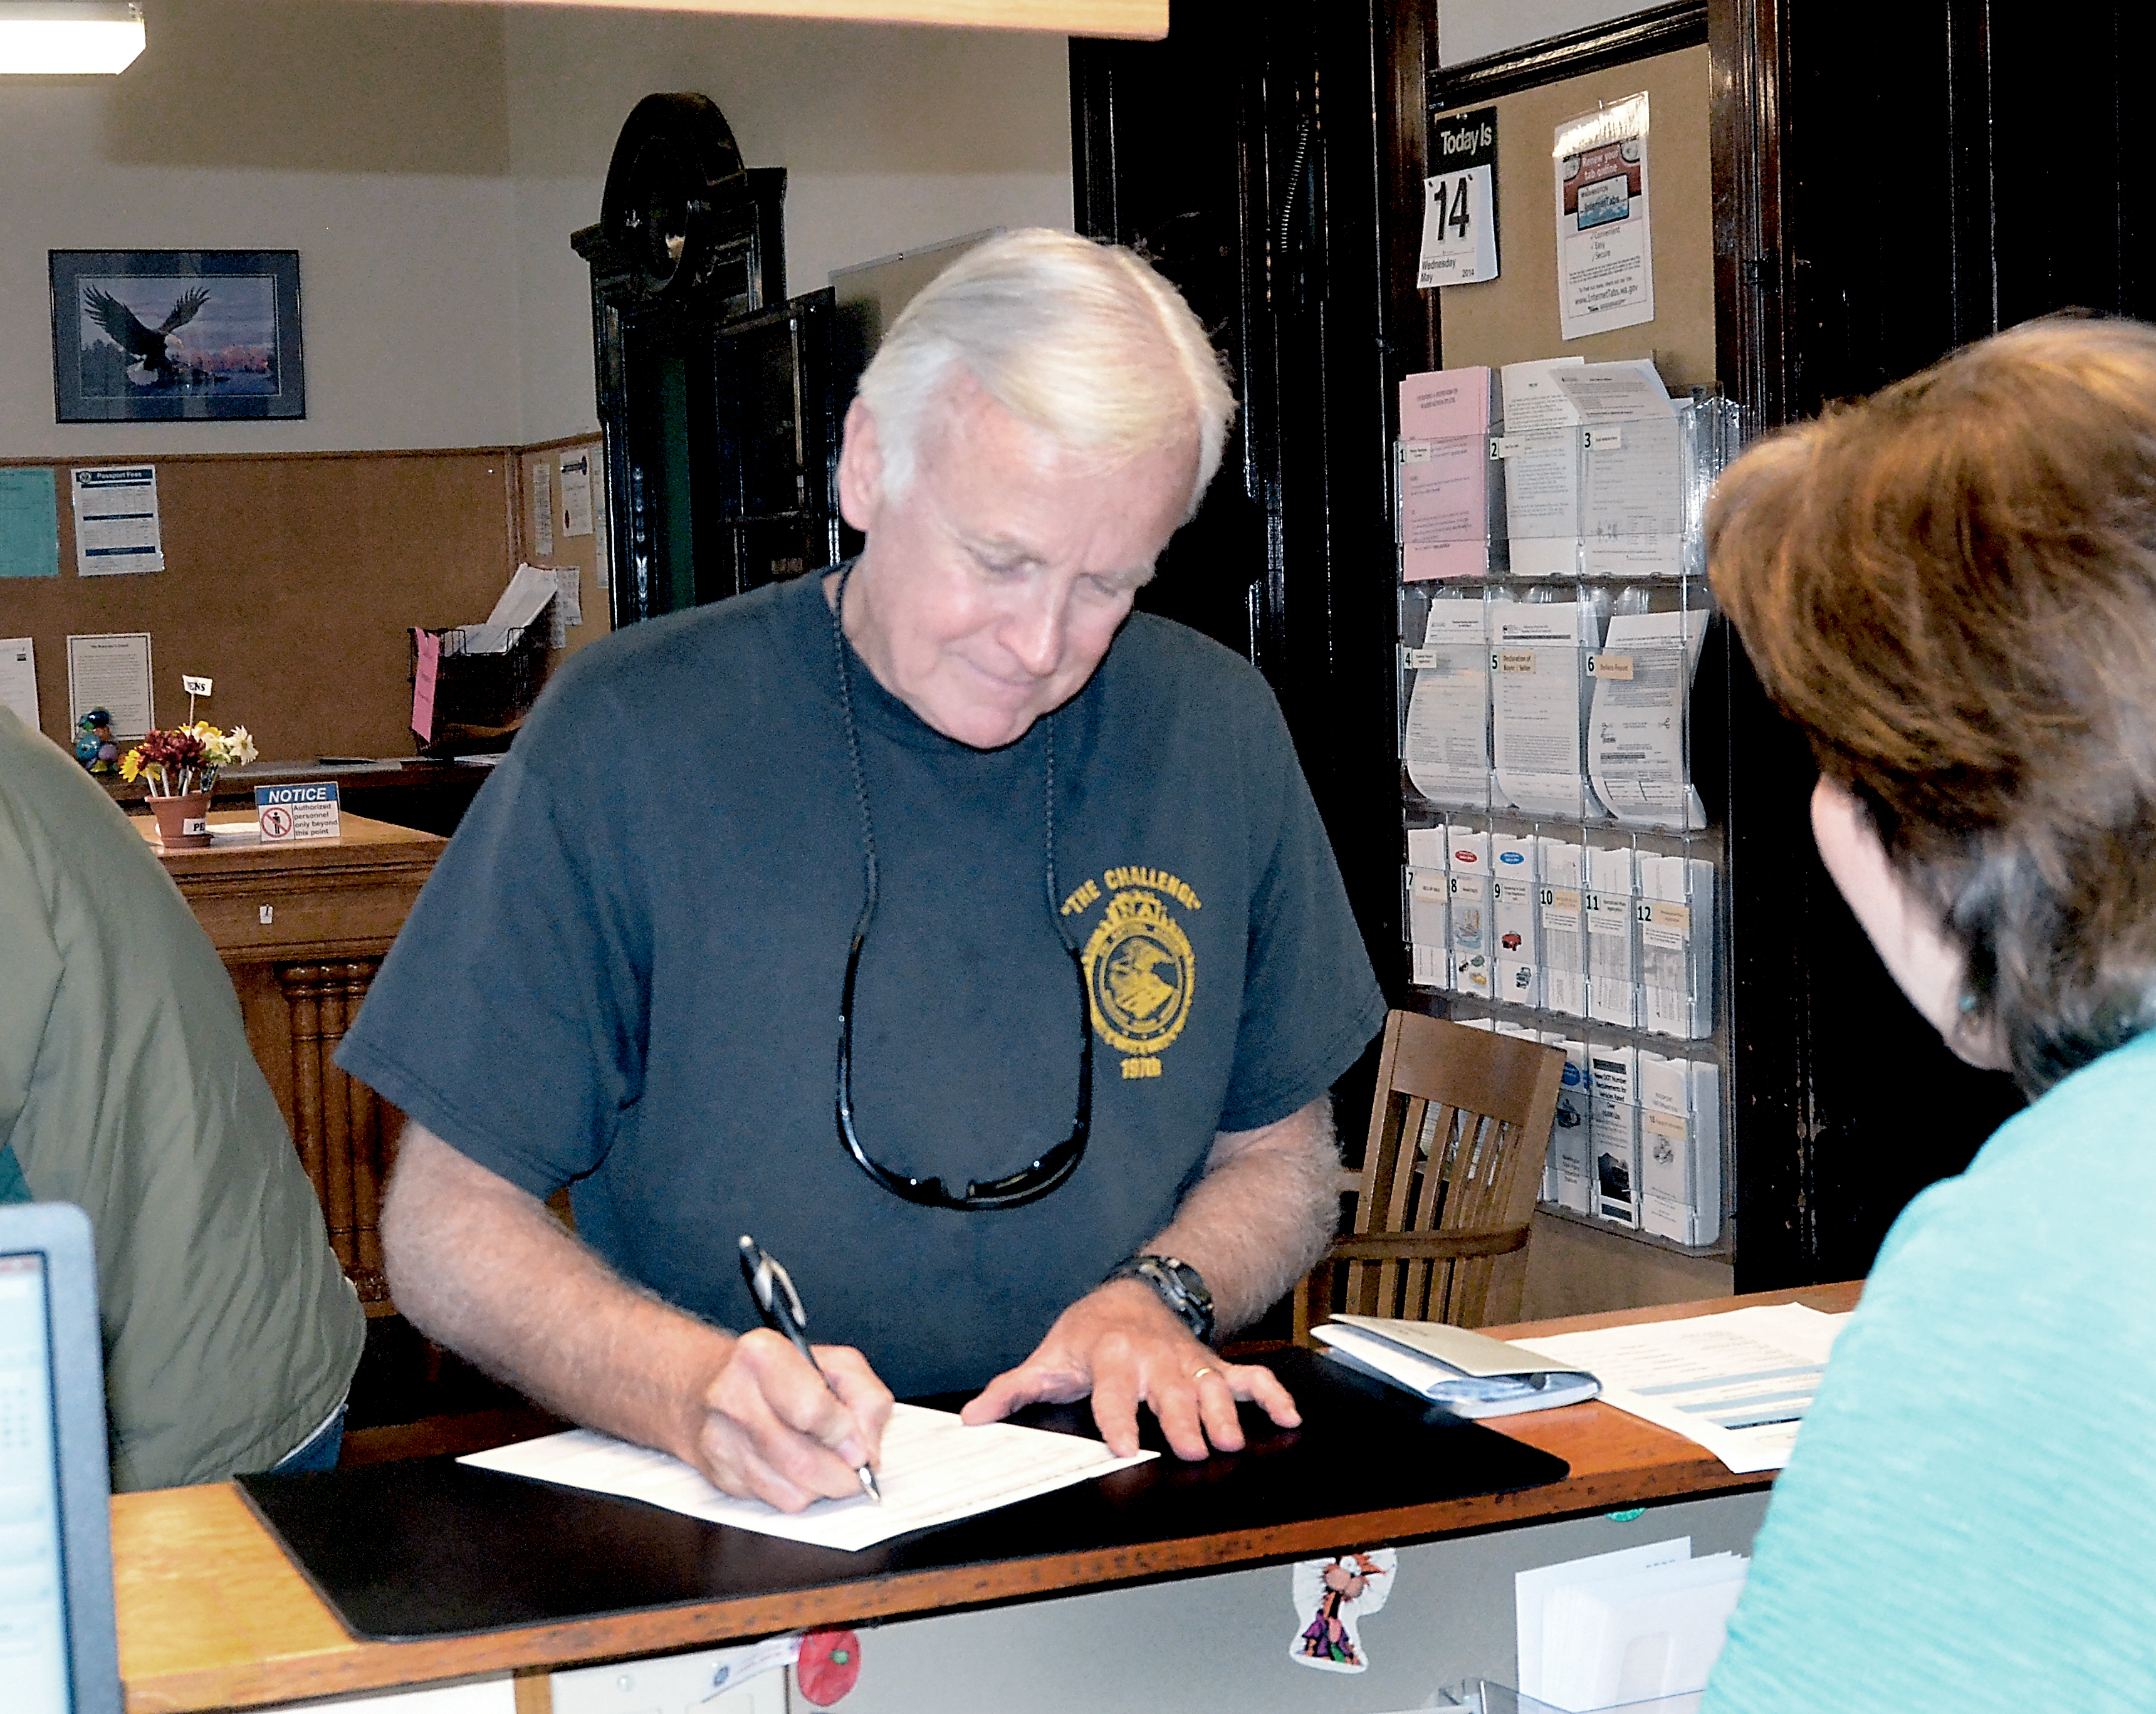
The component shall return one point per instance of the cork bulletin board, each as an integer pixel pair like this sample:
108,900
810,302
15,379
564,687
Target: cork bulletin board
1513,319
539,481
291,580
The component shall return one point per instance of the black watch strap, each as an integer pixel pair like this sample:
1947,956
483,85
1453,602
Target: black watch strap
1180,1287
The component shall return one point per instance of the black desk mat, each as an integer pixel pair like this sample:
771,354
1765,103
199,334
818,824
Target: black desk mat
434,1549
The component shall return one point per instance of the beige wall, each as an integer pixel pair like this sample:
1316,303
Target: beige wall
371,139
429,163
893,138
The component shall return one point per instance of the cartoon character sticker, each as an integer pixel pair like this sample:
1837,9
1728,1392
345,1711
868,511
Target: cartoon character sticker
1333,1597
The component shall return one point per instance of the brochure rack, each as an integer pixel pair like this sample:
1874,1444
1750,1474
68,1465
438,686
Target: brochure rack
1564,864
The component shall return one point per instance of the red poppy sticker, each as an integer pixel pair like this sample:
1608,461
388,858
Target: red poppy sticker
830,1665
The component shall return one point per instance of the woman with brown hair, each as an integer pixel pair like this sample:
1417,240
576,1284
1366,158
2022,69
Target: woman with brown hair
1953,588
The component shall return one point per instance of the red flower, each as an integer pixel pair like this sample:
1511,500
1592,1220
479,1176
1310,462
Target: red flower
172,750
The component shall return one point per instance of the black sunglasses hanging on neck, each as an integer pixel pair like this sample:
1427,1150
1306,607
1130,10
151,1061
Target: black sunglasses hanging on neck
1036,1179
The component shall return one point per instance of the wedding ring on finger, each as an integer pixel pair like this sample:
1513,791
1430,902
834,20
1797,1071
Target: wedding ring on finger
1200,1373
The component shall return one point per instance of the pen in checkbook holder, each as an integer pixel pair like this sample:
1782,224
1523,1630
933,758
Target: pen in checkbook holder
780,1306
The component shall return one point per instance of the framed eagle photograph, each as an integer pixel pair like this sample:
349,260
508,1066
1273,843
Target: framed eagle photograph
176,335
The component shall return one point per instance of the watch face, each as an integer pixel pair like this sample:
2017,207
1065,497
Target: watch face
1180,1286
1189,1281
1183,1288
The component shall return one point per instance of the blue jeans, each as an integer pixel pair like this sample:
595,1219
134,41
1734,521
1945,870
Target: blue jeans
317,1452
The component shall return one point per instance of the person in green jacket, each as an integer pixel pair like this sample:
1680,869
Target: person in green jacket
1953,588
127,1087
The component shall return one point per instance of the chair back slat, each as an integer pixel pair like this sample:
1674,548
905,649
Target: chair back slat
1456,1143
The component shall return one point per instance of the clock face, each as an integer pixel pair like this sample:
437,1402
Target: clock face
675,186
667,202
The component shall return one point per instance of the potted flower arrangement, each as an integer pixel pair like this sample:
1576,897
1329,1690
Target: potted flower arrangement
180,766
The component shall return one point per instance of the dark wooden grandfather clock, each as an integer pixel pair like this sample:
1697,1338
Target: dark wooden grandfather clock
718,397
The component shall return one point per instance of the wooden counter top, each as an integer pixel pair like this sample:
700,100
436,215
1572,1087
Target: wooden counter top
211,1614
359,842
324,898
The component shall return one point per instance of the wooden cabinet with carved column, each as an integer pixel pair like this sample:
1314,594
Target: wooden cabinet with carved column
302,929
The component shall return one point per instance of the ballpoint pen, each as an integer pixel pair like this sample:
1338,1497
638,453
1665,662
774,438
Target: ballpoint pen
780,1306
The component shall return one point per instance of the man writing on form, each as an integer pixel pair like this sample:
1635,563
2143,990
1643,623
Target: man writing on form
1044,880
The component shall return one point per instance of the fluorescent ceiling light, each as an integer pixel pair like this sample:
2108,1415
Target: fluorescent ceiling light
49,37
1144,19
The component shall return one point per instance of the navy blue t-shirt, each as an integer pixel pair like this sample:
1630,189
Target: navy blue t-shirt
625,973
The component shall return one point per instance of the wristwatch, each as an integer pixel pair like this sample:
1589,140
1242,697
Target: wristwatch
1180,1287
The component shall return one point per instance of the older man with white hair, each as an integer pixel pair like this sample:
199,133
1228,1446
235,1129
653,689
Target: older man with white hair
1042,878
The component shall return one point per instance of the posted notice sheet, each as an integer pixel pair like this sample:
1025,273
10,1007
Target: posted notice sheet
112,672
116,520
577,493
935,1470
18,678
542,507
30,525
1605,250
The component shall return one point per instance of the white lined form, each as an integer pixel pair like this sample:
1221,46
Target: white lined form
1737,1383
935,1470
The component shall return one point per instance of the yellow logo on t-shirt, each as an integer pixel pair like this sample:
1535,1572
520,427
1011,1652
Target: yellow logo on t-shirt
1140,970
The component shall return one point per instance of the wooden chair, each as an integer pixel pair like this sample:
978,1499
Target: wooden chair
1458,1130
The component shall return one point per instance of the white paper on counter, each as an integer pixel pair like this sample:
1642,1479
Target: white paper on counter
1737,1383
935,1470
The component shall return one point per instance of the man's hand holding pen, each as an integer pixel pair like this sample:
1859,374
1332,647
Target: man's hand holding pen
783,1414
772,1430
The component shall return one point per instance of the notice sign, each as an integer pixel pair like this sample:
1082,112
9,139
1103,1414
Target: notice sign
308,811
1460,202
1605,252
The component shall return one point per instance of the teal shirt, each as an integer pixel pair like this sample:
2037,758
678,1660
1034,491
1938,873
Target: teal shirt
127,1088
1968,1519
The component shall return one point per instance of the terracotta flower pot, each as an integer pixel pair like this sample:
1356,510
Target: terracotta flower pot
182,823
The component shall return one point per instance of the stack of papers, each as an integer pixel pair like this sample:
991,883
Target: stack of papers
1620,1629
1737,1383
528,591
935,1470
1468,1373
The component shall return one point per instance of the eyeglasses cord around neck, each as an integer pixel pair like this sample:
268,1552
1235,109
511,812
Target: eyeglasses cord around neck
1039,1177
